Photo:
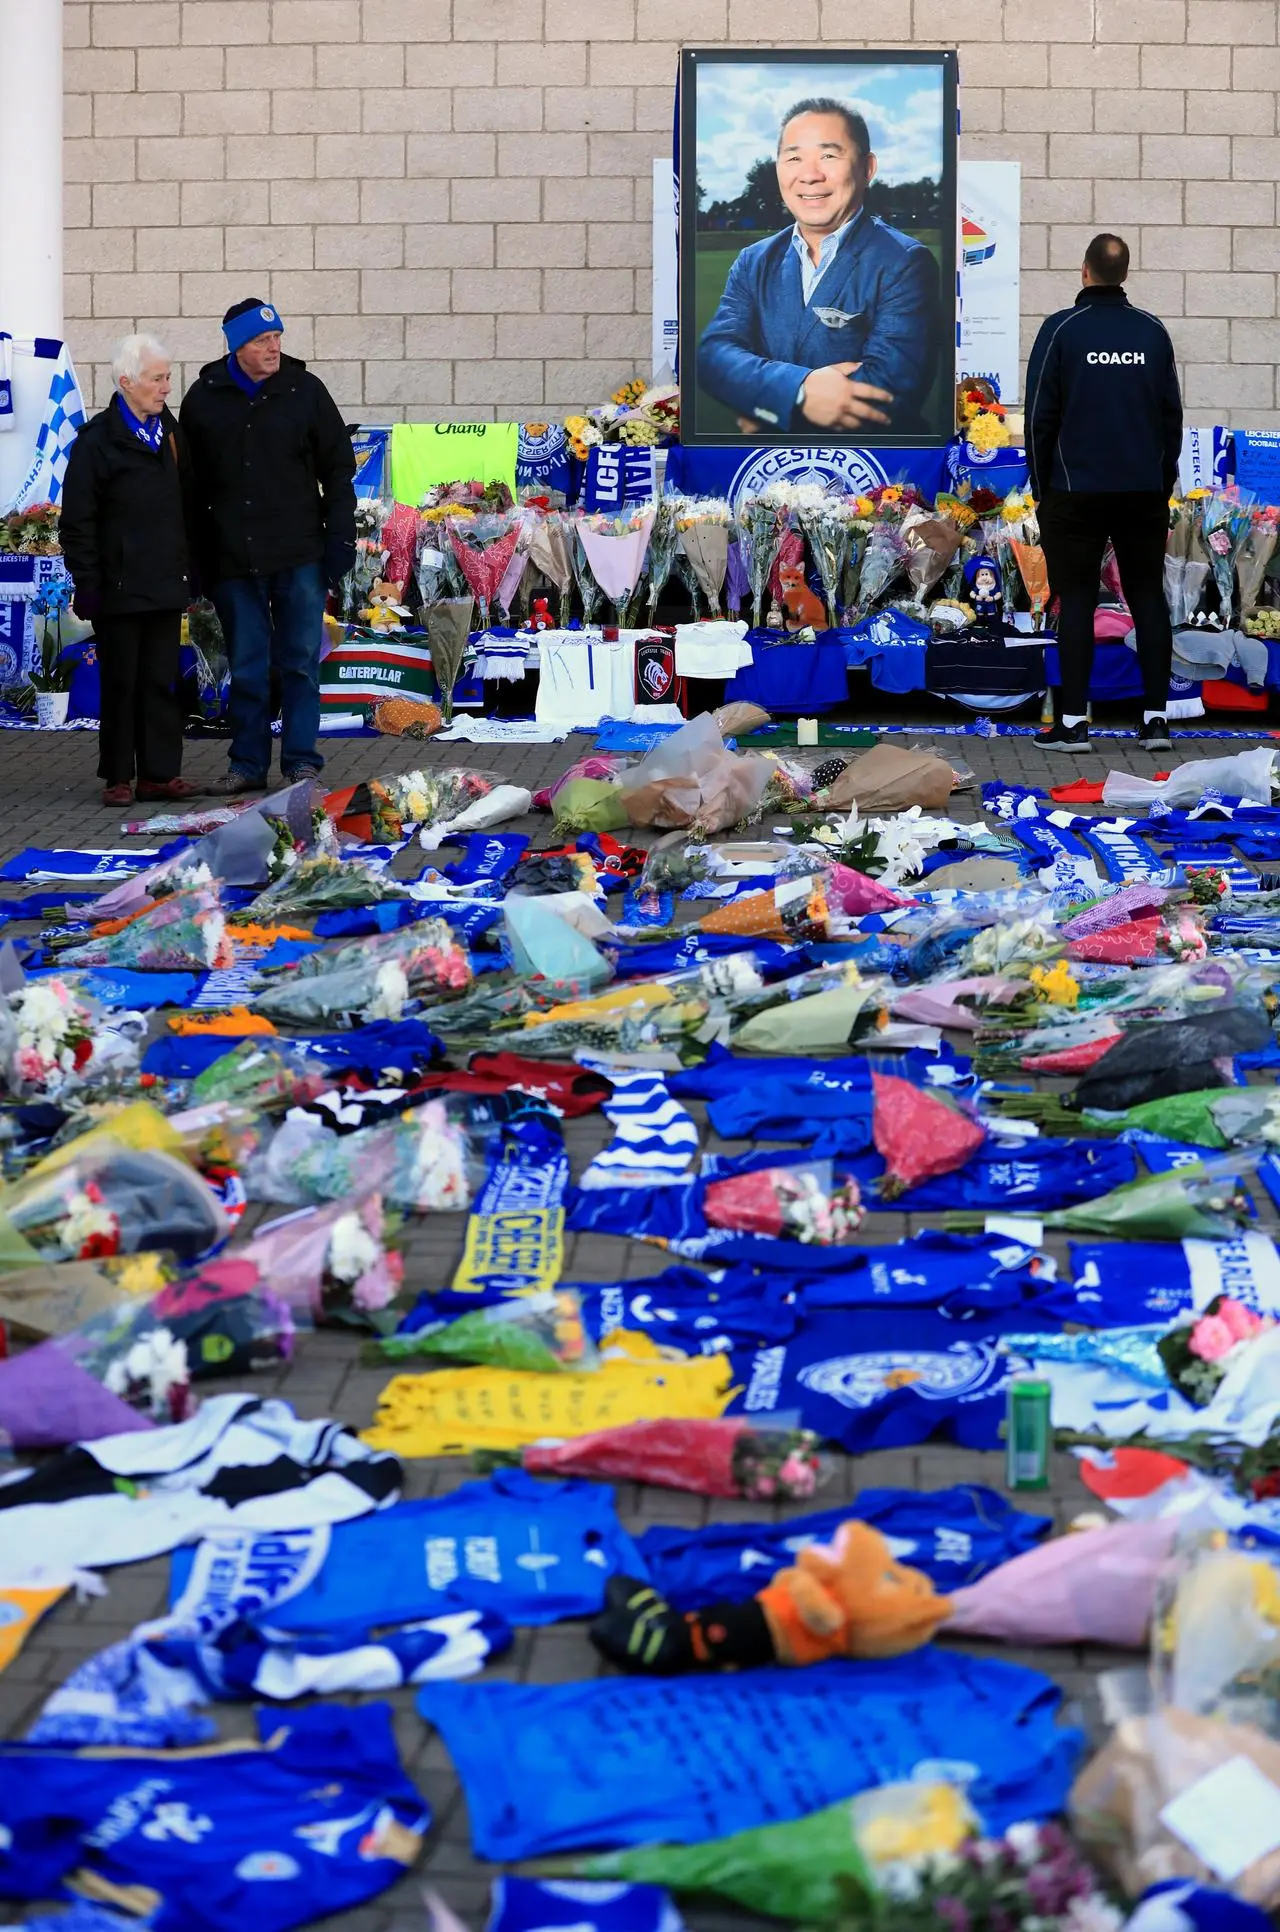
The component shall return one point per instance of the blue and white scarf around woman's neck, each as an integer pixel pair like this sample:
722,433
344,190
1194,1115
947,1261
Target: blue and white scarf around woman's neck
147,429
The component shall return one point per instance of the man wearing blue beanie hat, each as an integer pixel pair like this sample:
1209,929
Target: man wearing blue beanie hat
274,514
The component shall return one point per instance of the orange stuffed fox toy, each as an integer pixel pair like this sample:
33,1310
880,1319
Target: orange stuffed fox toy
846,1598
850,1598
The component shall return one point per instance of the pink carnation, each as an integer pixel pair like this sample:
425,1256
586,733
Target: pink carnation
1241,1321
1211,1339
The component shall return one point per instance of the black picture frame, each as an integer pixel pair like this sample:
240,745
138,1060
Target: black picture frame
710,419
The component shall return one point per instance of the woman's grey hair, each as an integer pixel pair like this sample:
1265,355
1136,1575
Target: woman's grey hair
132,355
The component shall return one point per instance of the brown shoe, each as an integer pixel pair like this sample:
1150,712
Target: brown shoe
234,783
118,795
170,788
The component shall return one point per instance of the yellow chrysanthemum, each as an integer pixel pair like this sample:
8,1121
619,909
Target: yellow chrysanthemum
988,432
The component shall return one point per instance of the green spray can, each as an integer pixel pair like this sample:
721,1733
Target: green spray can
1028,1435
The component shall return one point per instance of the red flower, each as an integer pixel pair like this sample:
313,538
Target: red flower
100,1247
1264,1487
82,1052
93,1191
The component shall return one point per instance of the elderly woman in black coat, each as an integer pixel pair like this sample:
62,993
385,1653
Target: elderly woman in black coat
124,539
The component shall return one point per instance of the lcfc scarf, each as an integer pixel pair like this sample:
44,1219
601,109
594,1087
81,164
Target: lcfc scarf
515,1233
687,1758
954,1535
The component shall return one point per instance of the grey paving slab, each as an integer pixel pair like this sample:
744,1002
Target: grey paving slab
51,798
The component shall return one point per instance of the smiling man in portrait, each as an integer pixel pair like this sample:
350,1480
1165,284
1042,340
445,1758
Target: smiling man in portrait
832,323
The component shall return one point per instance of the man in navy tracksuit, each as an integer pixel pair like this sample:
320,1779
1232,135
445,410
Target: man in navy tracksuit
1104,433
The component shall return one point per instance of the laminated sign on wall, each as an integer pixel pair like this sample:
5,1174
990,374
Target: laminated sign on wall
990,218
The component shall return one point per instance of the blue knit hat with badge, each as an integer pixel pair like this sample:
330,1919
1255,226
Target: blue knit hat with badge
247,319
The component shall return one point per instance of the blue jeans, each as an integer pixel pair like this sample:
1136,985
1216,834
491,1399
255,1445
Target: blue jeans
276,620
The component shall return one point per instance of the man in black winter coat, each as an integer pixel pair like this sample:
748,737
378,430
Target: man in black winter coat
124,539
1104,434
275,530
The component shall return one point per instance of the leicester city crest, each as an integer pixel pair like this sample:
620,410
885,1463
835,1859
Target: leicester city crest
935,1375
838,471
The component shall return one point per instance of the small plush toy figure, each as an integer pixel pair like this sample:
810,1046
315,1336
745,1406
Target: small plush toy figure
982,581
540,618
803,610
384,611
848,1598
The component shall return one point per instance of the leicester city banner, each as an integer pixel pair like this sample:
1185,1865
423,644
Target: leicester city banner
718,470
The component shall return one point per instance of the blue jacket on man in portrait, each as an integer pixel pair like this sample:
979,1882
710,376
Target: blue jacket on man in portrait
876,304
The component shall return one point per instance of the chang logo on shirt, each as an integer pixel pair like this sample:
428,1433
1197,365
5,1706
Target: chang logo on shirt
833,470
858,1381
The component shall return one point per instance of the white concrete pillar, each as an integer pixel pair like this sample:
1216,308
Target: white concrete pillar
30,208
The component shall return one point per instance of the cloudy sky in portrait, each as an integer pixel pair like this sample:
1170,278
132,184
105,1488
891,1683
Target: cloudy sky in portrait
740,108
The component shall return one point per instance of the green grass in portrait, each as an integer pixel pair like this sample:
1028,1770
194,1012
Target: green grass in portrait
715,253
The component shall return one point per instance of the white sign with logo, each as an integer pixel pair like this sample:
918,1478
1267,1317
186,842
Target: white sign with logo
666,331
990,219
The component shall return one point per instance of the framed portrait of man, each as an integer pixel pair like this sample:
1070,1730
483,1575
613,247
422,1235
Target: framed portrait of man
818,224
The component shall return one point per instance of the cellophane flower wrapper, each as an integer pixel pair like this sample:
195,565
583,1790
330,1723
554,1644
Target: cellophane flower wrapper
660,557
112,1200
828,529
551,548
1225,522
542,1332
931,544
261,1073
436,568
761,526
374,980
1257,547
353,592
423,1163
882,561
184,933
322,883
48,1038
695,1456
1200,1203
484,546
448,634
1034,571
703,526
331,1262
501,803
918,1134
615,545
800,1203
588,589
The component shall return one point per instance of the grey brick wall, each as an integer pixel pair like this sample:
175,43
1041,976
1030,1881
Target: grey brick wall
450,200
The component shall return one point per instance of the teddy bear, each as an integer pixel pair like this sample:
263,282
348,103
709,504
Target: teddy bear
847,1598
384,611
540,618
803,610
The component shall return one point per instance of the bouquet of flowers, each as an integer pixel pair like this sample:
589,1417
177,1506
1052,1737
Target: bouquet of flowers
663,539
484,547
721,1457
320,882
1033,1876
931,544
354,590
419,1164
614,545
828,528
110,1199
919,1134
448,623
360,1276
883,558
702,524
761,525
637,413
981,415
542,1332
794,911
183,933
551,550
1020,543
588,589
1255,552
1186,557
800,1203
359,983
1225,522
46,1037
1198,1353
32,532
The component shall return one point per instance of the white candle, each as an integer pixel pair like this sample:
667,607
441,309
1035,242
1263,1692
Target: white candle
806,731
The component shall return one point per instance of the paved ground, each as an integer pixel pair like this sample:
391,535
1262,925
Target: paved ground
51,798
